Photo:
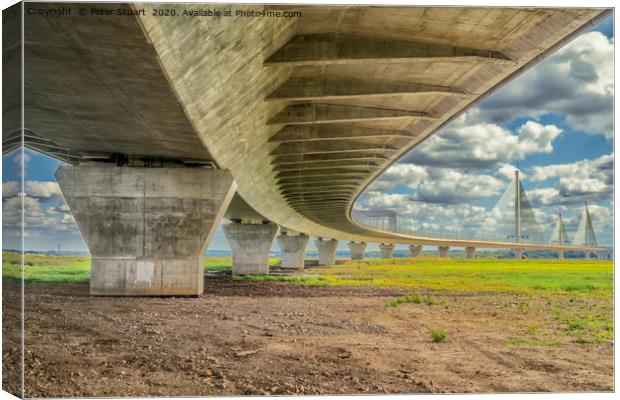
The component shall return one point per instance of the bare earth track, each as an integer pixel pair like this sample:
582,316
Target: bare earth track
282,338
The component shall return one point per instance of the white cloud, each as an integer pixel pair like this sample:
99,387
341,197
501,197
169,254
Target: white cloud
438,185
536,138
10,189
37,189
433,215
451,186
577,81
576,182
481,145
40,189
506,172
37,217
601,167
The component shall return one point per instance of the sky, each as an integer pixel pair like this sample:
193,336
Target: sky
555,121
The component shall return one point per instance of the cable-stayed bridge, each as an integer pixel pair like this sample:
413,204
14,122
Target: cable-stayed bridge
511,220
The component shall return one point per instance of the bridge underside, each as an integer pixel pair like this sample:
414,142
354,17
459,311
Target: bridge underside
303,111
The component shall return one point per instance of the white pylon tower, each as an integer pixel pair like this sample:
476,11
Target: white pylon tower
517,208
513,217
585,232
559,233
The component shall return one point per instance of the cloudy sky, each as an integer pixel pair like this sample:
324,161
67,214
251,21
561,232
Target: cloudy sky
555,121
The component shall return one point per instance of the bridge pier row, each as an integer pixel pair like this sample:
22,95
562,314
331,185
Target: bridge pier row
470,252
386,250
146,228
561,255
443,251
357,250
327,251
518,254
250,244
293,249
415,250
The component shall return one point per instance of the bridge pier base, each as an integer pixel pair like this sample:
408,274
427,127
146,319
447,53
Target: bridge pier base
387,250
470,252
561,254
146,228
250,244
293,249
518,254
327,251
357,250
586,255
415,250
443,251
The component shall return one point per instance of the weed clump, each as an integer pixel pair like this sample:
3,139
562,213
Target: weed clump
438,335
574,324
414,298
410,298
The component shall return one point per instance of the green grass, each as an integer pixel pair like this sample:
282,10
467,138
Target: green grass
41,268
561,277
46,269
532,342
410,298
225,263
413,298
423,274
438,335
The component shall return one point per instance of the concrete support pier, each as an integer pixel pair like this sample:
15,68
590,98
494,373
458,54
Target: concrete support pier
146,228
357,250
250,244
470,252
443,251
293,249
518,254
386,250
586,255
327,251
561,254
415,250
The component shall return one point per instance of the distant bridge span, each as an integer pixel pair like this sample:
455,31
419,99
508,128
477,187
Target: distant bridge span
280,120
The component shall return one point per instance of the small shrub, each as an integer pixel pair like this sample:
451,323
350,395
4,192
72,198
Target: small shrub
430,301
438,335
413,298
574,324
410,298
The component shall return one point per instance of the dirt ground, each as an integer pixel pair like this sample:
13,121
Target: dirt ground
280,338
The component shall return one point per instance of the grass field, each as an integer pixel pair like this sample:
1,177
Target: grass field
568,297
575,277
74,270
40,268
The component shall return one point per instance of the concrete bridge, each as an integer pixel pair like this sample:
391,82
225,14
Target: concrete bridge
171,121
